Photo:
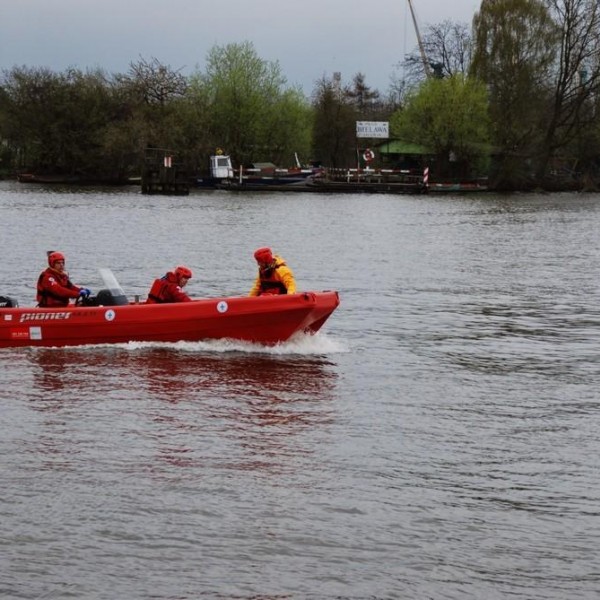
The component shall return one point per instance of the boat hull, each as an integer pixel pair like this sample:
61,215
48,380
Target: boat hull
265,320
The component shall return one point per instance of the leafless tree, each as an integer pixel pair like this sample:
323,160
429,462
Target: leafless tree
576,83
447,46
153,82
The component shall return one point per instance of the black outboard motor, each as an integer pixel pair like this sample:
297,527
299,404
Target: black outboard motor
110,298
111,295
8,302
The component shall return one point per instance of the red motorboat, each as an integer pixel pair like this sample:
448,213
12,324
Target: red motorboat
109,318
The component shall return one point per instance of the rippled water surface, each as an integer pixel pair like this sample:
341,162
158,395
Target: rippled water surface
438,439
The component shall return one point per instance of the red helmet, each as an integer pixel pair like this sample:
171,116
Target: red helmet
54,256
264,256
182,271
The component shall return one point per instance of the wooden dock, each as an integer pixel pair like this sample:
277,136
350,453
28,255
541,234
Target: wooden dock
345,181
162,175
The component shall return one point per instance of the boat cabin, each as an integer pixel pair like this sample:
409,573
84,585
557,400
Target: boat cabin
221,167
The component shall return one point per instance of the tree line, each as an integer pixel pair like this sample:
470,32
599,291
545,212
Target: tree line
98,126
514,96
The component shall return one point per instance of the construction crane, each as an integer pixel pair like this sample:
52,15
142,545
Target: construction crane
426,65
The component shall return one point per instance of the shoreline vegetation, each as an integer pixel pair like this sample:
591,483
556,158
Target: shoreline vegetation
513,99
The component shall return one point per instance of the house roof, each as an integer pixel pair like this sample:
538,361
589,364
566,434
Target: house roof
401,147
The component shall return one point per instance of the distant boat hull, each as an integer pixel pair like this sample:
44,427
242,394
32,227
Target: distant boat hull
35,178
261,175
373,187
448,188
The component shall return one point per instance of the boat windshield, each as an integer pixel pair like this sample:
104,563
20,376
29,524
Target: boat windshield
110,282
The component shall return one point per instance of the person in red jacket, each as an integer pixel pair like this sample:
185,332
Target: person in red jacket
274,276
54,288
168,288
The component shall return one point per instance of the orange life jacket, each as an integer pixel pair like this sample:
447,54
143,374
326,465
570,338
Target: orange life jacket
269,284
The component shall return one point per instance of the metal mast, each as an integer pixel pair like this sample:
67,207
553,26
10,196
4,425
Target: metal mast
426,66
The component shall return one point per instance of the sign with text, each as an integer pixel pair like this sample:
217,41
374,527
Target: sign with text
372,129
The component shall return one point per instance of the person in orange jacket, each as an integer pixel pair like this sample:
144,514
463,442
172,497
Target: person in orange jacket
169,287
54,288
274,276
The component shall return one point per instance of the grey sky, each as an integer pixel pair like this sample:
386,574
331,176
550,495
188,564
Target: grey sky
309,39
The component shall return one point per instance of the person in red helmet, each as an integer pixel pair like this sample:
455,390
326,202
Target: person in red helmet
169,287
54,288
274,276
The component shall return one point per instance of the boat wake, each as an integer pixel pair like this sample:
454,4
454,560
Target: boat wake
300,344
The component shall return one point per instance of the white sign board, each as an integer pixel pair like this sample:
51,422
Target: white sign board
372,129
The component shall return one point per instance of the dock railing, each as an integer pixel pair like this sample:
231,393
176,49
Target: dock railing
349,175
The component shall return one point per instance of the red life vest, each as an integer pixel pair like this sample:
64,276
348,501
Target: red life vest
157,291
166,290
45,296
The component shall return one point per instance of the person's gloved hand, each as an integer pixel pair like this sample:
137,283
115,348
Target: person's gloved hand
84,292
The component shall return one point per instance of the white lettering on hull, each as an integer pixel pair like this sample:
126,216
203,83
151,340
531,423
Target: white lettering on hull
59,316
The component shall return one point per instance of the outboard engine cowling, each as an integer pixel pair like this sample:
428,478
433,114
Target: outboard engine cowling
8,302
108,298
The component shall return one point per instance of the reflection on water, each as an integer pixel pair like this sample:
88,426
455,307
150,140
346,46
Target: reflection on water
254,407
178,376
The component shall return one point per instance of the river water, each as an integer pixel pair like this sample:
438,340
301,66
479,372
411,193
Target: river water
438,439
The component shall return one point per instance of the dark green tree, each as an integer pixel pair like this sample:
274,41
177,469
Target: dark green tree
366,101
514,52
160,111
55,121
334,131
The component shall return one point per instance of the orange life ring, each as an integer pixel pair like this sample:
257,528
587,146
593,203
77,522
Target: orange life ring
368,155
